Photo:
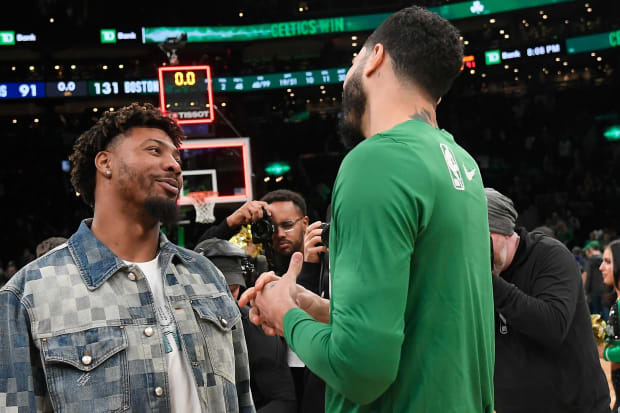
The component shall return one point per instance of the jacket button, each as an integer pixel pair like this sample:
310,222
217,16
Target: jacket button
131,276
159,391
148,331
86,360
223,321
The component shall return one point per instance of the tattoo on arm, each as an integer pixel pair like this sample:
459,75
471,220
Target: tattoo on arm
425,116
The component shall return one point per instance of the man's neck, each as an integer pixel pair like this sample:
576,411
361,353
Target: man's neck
392,108
130,236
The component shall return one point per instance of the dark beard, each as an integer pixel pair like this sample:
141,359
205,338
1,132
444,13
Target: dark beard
164,210
353,107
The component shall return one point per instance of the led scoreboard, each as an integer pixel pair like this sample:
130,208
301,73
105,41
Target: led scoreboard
186,93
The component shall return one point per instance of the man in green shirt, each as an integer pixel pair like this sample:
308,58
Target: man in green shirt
409,326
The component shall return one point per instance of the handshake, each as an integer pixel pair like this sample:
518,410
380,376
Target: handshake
272,297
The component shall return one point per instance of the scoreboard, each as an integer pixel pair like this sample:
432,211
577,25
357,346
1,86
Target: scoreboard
22,90
113,87
186,93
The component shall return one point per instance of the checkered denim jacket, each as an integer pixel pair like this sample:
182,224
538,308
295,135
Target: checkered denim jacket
73,333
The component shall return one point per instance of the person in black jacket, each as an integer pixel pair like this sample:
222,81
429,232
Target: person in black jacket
288,212
271,380
546,359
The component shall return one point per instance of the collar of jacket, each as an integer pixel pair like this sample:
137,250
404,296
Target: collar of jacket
97,263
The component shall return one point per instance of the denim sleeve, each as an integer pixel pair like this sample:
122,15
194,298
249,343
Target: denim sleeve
22,381
242,370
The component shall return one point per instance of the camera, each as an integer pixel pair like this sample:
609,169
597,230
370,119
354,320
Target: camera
325,234
263,229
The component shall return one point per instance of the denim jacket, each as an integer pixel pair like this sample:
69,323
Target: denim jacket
78,333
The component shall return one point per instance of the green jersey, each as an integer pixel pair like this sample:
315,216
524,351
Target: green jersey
412,324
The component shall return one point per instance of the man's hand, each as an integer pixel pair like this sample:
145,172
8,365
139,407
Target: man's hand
276,298
249,296
247,213
312,243
314,305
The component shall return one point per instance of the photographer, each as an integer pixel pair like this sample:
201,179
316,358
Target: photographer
286,216
287,212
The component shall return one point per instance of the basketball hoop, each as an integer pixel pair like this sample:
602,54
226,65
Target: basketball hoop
204,204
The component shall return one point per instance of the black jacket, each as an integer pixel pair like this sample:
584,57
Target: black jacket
546,359
271,380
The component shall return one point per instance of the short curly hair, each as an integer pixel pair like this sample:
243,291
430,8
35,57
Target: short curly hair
424,47
107,128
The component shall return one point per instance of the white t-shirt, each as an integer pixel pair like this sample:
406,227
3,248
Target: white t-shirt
183,393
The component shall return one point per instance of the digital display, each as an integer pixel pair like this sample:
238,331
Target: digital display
186,94
494,57
341,24
103,88
280,80
66,88
24,90
180,86
146,86
593,42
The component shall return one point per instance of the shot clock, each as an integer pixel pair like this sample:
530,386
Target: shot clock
186,93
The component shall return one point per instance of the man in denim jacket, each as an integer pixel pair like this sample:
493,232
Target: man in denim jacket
118,318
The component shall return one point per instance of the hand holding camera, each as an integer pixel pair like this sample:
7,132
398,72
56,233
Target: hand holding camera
316,241
249,212
263,229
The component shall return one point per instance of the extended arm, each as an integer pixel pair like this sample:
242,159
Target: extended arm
546,314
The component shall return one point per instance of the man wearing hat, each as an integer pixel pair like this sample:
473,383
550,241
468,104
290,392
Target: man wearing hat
271,380
546,359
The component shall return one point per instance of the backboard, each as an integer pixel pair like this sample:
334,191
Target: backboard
219,165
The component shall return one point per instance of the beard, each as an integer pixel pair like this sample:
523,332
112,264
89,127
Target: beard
353,108
164,210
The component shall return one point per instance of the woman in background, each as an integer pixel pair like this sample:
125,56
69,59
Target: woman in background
611,276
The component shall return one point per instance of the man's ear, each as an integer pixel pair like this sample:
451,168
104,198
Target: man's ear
103,163
375,58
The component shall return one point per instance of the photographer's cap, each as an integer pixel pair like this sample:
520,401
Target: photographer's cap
226,256
502,212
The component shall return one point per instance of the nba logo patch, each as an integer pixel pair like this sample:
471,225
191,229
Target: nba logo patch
453,167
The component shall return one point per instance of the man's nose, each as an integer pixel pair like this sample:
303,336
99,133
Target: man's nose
173,166
279,231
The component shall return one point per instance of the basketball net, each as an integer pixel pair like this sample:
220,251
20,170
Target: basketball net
204,204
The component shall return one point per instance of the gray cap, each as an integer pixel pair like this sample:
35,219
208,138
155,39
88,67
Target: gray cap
502,212
227,258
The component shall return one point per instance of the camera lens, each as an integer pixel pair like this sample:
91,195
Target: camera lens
262,229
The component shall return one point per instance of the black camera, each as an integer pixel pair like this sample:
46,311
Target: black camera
263,229
325,233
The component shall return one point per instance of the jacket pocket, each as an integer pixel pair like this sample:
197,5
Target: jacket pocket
87,371
217,317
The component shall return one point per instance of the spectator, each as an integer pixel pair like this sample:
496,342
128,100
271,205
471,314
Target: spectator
271,381
595,289
546,359
611,276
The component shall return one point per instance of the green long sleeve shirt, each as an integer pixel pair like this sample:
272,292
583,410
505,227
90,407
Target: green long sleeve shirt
411,324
